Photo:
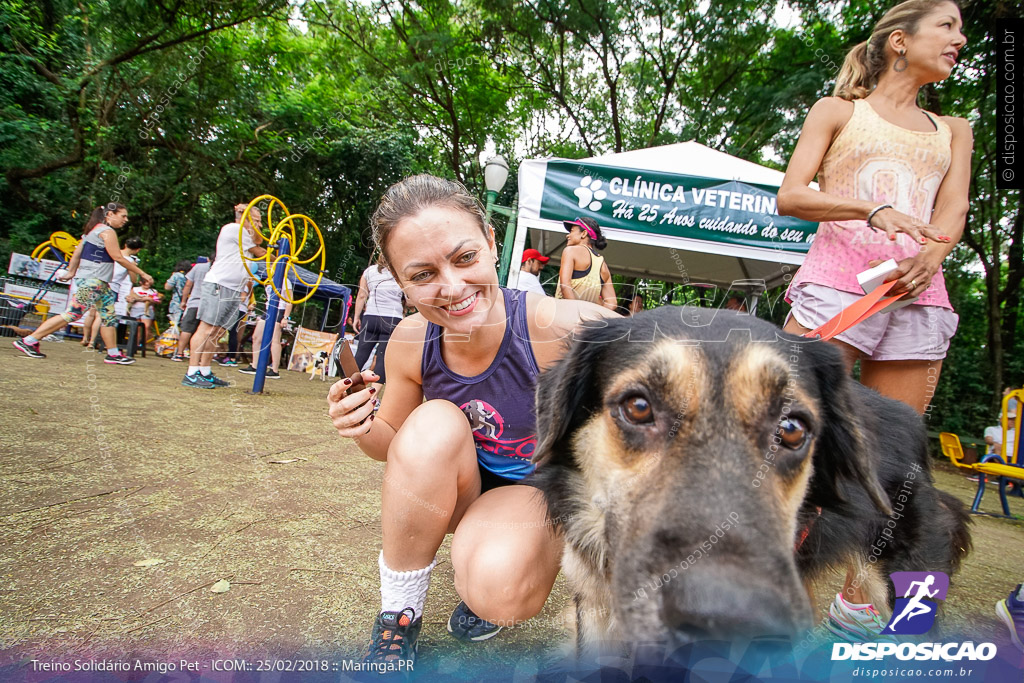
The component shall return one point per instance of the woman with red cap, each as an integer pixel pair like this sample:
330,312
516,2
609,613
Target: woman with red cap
583,273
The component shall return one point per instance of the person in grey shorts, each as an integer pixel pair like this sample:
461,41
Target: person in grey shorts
221,294
190,297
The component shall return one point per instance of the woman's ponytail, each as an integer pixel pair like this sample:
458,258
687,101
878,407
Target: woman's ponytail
855,79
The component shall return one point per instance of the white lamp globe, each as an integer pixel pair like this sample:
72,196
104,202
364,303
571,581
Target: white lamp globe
495,173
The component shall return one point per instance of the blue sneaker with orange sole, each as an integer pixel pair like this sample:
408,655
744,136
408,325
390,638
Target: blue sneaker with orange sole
393,644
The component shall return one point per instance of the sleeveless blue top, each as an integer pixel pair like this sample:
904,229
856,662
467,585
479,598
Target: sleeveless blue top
499,402
94,261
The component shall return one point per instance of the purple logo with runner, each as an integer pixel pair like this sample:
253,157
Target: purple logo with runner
917,594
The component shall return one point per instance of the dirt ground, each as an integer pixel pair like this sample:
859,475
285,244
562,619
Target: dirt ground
106,466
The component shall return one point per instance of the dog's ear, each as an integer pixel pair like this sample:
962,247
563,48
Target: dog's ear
566,396
843,451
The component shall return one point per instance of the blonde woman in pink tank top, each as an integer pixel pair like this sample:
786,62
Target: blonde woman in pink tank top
893,183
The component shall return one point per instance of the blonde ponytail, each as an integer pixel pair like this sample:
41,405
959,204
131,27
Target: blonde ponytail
866,62
855,79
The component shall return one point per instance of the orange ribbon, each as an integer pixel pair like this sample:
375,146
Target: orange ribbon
857,312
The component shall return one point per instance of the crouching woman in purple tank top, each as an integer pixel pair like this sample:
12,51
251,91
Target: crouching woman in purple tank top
473,352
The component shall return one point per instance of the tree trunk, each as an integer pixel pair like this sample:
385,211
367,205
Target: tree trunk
995,331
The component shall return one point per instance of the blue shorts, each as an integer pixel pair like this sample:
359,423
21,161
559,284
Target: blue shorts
489,480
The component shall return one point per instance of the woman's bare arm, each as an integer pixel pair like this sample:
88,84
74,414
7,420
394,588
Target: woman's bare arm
565,273
352,414
608,298
110,242
825,119
76,258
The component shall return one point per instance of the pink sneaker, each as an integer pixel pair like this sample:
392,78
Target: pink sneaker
30,350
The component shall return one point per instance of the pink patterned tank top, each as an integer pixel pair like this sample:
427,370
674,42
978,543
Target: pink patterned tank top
876,160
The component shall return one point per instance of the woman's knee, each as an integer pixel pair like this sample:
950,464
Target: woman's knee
504,583
435,429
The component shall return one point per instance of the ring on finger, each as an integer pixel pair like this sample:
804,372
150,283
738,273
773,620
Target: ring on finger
913,284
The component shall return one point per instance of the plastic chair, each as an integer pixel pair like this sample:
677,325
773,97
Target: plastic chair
133,328
952,449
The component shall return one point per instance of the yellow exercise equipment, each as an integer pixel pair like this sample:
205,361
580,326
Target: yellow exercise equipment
60,241
296,246
1005,466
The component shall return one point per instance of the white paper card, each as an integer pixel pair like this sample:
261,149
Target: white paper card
870,279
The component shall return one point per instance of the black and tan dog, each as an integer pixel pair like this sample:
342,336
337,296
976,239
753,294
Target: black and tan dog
704,466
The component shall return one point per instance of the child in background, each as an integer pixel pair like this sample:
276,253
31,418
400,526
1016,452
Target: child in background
143,300
176,285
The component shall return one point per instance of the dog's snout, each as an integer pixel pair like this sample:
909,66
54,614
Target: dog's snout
723,602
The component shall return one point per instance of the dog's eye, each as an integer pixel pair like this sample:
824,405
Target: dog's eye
793,432
637,410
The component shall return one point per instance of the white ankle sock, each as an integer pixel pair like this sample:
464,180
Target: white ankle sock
30,340
204,370
399,590
192,369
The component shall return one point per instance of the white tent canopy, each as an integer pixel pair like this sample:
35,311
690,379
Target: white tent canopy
649,250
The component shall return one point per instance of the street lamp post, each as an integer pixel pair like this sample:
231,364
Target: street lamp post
495,175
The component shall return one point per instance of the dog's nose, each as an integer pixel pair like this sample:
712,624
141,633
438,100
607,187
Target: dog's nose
727,602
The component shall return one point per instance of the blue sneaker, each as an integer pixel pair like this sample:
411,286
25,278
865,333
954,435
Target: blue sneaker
1011,612
470,628
393,647
216,381
197,381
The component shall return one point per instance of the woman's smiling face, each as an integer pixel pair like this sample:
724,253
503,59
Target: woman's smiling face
446,266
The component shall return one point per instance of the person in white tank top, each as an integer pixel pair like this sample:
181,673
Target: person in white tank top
378,309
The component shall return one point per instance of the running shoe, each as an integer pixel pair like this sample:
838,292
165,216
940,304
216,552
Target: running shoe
216,381
178,358
228,362
1011,612
248,370
30,350
394,641
856,625
272,374
119,359
197,381
470,628
975,477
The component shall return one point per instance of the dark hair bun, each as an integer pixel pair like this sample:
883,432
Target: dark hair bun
599,243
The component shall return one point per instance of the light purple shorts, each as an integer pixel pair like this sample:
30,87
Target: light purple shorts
910,333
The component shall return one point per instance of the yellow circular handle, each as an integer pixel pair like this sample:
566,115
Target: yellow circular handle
286,228
61,241
268,239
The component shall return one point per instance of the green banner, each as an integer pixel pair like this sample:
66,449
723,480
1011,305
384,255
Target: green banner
693,207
